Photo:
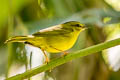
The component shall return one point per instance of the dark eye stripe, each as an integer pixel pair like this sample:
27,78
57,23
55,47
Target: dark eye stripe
77,25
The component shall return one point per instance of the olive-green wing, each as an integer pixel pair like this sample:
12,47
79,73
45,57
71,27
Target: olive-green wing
52,31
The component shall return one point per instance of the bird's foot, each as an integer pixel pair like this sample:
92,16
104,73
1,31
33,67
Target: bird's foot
64,54
47,60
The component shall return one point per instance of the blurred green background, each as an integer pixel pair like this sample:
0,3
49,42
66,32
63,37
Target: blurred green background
23,17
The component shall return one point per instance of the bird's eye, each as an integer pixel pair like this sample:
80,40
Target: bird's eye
77,25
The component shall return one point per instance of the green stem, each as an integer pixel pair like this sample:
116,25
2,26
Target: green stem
10,33
59,61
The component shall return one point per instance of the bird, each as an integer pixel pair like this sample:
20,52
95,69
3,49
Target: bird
55,39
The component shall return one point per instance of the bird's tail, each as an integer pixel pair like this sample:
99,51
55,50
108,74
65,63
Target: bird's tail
18,39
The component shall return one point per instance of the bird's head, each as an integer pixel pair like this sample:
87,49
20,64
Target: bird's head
75,25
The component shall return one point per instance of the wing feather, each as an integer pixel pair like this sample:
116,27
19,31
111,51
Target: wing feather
52,31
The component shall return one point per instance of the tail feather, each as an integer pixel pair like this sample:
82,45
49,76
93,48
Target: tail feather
17,39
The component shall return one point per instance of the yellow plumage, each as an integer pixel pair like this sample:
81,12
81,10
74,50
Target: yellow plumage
53,39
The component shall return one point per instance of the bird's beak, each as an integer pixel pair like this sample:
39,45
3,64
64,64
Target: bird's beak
84,27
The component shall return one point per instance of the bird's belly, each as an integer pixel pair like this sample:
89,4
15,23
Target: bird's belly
59,44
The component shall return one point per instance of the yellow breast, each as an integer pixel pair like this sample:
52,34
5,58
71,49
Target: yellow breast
60,43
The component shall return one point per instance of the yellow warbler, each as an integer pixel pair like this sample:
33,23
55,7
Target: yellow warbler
53,39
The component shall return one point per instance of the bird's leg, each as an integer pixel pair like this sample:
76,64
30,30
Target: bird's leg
65,53
46,57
